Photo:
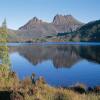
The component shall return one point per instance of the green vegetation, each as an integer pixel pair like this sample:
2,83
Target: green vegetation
88,32
39,40
4,57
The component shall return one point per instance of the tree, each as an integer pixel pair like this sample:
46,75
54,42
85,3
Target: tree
4,24
3,32
4,56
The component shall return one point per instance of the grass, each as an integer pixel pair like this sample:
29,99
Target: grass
26,90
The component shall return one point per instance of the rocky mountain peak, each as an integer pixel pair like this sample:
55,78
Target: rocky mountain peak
59,19
30,23
35,20
65,19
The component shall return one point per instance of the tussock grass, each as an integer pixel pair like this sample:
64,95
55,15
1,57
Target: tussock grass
25,90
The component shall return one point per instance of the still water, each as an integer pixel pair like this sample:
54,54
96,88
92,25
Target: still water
60,64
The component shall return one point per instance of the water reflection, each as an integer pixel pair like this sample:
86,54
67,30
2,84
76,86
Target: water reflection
91,53
61,55
60,65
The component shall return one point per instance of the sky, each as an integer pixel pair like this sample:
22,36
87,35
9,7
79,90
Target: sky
18,12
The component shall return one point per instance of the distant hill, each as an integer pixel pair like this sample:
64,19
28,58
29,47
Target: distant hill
89,32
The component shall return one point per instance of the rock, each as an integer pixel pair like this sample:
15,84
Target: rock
16,96
80,88
97,89
90,89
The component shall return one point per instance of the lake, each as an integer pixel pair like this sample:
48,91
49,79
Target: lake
61,64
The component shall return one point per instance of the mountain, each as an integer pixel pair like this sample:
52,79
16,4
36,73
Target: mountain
66,27
37,28
65,20
89,32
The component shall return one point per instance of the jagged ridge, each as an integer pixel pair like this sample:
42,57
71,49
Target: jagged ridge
38,28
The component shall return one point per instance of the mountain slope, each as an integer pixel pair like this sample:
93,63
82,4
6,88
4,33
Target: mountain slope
89,32
37,28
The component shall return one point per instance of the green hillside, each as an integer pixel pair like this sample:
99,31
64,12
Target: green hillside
89,32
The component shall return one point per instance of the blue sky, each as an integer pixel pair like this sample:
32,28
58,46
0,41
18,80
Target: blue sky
18,12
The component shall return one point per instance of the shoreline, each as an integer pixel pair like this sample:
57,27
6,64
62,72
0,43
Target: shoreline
30,89
53,43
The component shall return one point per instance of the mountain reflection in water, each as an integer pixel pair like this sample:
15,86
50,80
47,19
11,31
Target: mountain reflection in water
66,58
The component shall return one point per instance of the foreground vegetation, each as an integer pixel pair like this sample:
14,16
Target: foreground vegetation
14,89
